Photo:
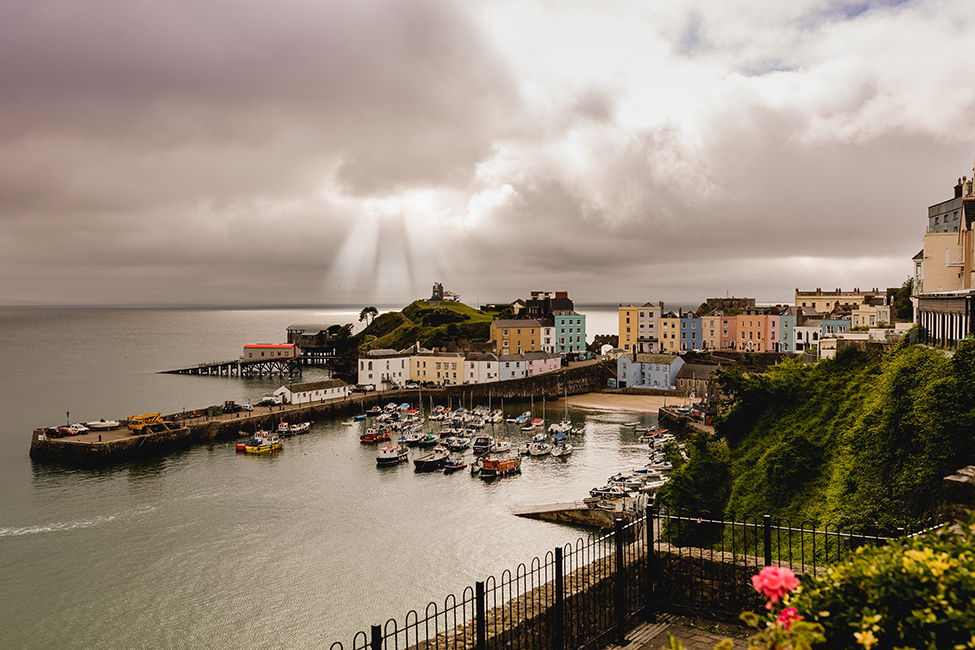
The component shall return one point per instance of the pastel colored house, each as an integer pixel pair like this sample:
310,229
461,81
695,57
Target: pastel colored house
514,336
636,370
639,327
570,332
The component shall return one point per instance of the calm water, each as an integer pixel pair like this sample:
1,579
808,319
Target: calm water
210,549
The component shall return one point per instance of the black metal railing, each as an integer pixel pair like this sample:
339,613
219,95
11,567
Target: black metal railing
586,595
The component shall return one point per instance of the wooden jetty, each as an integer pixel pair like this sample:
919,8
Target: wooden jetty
241,368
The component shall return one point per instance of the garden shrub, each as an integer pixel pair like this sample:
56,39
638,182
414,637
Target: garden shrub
916,593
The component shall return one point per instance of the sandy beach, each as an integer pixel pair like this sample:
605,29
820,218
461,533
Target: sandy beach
619,402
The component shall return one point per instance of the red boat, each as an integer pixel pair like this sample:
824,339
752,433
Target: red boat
374,437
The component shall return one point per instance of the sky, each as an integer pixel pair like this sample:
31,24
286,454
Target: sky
303,152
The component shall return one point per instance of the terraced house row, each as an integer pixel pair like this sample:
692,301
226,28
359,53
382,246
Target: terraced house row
743,326
391,369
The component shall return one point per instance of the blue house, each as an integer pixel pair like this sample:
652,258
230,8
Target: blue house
690,333
639,370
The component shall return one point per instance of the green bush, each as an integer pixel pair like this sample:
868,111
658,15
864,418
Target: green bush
914,594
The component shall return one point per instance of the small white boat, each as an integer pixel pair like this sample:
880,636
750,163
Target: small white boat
392,455
103,425
562,449
500,446
609,492
301,427
539,449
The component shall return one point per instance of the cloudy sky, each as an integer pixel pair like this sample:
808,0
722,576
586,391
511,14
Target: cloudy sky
357,151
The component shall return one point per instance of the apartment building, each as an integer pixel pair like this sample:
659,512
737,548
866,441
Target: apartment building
639,327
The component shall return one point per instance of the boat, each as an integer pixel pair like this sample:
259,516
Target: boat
520,419
254,440
374,436
454,465
374,411
428,440
284,429
562,449
609,492
392,455
482,444
500,446
359,418
495,466
301,427
458,443
103,425
630,424
266,444
539,449
477,464
411,439
433,461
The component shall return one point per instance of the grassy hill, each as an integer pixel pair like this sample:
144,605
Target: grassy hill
852,440
430,326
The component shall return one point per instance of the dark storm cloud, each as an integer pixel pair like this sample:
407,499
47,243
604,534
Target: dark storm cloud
358,151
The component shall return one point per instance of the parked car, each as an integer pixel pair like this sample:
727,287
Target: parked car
270,400
247,407
412,385
68,431
80,428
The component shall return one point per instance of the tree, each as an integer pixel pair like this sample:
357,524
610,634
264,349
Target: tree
369,313
903,307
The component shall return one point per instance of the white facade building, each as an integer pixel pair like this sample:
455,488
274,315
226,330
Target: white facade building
316,391
384,369
481,368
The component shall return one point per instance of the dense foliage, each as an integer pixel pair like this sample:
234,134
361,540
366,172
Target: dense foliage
916,594
851,440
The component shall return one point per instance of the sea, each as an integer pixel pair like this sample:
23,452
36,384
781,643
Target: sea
207,548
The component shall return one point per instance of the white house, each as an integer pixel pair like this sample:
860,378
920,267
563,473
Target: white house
513,366
315,391
384,369
481,368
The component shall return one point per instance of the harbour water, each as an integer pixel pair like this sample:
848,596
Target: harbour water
210,549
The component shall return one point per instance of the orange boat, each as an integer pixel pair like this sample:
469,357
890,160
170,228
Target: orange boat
495,466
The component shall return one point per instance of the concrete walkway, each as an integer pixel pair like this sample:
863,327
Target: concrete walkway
694,634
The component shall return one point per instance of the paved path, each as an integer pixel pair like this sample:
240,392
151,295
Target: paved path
694,634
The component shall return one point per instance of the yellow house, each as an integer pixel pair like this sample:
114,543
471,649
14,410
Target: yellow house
639,328
516,336
669,333
439,367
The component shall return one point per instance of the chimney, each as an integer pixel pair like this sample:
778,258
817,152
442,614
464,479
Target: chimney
958,189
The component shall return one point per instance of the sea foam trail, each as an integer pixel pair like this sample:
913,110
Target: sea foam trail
56,527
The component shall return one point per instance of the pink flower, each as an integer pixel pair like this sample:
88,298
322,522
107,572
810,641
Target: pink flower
788,616
774,582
